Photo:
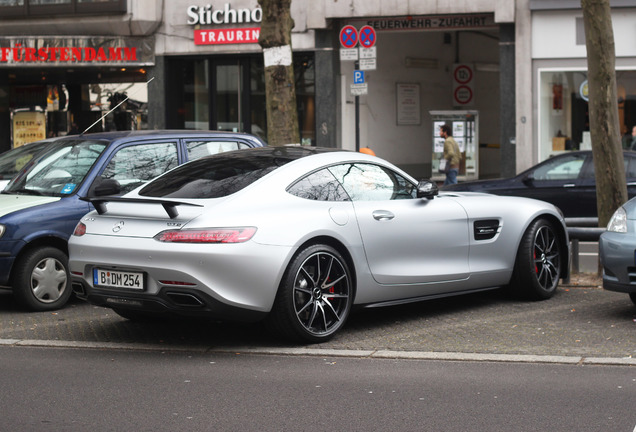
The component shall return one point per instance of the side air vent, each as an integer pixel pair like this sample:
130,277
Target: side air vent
486,229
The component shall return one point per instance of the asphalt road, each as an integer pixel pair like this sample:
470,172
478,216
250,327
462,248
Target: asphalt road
579,324
121,390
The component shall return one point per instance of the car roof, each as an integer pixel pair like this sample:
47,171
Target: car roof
162,133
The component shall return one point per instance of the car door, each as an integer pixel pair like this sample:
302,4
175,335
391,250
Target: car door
406,240
558,181
586,206
136,163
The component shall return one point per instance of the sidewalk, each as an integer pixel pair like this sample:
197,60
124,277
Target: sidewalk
582,322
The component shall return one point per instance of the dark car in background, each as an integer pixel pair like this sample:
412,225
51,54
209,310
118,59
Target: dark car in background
565,180
41,205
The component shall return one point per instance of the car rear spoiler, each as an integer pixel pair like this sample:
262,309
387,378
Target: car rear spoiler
169,206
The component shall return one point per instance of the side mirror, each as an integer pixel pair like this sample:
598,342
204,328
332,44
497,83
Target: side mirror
107,187
427,189
528,179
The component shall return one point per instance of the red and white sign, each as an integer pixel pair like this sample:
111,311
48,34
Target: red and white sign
367,36
227,36
463,85
348,36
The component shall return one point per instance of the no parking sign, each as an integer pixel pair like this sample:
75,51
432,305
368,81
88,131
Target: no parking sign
348,36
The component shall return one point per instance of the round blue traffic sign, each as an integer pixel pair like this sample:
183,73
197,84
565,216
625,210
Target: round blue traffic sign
367,36
348,36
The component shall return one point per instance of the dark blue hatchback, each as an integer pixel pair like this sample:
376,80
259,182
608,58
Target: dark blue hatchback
41,206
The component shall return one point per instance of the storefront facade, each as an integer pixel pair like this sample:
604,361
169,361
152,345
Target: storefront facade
211,69
559,111
203,67
62,64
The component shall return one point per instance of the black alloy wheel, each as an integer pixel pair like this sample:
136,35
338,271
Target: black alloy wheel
315,296
538,264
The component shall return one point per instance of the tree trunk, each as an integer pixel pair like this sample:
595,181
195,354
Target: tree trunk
609,169
275,39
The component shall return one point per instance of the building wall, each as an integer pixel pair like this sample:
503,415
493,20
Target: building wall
411,146
142,19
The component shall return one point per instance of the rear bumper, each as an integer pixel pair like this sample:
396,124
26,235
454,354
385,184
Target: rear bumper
170,301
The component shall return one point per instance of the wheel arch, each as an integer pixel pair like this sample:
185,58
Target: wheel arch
563,240
45,241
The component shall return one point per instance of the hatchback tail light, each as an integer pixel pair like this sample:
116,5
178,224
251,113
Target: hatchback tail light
80,230
210,235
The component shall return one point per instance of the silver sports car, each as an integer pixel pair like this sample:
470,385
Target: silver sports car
299,235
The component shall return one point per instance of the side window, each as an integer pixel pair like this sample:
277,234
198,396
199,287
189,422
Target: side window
368,182
563,168
319,186
134,165
198,149
629,164
630,167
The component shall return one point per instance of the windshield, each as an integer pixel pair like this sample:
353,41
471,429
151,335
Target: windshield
59,171
12,161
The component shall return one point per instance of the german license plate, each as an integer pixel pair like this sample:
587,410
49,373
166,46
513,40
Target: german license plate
118,279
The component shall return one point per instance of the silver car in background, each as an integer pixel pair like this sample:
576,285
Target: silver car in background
299,235
617,251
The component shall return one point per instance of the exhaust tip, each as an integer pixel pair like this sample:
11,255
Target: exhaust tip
184,299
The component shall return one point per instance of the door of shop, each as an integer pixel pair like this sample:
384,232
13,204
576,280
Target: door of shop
237,95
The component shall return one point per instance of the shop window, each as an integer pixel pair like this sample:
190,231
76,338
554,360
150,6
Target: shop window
563,110
26,8
228,93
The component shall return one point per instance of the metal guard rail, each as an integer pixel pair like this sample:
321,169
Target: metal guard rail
581,229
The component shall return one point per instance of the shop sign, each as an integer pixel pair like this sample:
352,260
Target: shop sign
432,22
28,126
207,15
227,36
76,51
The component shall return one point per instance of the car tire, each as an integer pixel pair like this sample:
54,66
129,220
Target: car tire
633,297
315,296
538,264
41,280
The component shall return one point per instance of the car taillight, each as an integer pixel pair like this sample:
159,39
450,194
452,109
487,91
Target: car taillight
211,235
80,230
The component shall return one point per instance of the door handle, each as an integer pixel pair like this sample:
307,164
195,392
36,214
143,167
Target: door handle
569,185
382,215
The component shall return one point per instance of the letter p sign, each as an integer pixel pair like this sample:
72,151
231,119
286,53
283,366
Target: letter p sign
358,77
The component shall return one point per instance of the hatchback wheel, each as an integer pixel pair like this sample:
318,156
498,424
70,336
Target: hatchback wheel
315,296
538,265
633,297
41,281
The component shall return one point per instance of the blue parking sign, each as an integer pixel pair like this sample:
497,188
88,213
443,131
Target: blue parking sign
358,77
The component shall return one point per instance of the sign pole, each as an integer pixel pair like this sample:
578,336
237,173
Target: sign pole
357,121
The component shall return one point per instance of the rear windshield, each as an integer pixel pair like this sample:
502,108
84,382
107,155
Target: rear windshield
221,175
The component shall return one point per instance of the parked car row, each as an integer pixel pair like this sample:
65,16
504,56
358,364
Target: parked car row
51,181
143,223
